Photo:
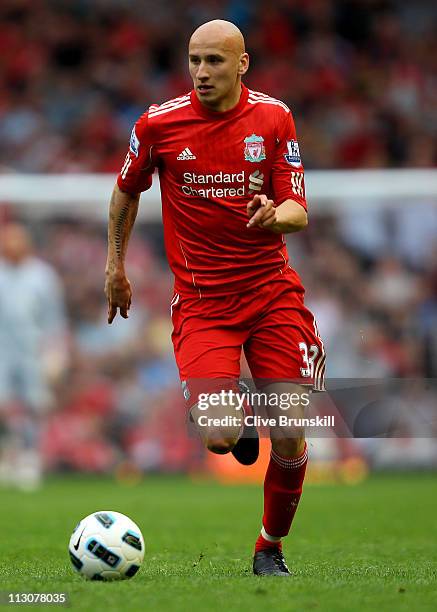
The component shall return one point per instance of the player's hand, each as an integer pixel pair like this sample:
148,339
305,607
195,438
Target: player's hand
119,294
261,212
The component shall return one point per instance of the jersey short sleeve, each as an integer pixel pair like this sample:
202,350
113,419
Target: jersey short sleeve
137,171
287,171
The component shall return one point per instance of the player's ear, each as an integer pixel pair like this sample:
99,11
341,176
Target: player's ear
243,64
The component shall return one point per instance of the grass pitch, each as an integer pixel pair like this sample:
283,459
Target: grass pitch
363,547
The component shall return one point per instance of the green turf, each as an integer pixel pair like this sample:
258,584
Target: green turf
364,547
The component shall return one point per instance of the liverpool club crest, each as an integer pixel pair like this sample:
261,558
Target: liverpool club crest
254,150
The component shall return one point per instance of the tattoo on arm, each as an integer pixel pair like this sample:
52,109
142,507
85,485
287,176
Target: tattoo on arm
123,210
119,230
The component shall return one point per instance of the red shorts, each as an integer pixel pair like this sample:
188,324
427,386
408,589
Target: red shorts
270,323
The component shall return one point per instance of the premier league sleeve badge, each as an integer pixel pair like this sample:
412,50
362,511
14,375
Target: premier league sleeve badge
293,155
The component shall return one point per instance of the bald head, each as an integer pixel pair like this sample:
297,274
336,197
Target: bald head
218,60
219,33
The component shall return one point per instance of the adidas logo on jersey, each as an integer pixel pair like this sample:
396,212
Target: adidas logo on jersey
185,154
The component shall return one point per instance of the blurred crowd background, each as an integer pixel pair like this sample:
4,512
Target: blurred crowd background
361,78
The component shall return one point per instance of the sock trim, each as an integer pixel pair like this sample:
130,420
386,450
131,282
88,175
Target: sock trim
290,463
268,537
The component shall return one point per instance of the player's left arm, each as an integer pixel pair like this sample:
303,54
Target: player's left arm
287,211
286,218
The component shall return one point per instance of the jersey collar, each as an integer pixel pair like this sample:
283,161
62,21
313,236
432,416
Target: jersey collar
217,115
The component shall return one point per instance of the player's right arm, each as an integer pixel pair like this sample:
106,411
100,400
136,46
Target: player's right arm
135,177
123,210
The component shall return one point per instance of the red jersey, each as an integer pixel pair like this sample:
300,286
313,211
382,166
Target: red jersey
210,165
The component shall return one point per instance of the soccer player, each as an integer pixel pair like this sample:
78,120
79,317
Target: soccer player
232,183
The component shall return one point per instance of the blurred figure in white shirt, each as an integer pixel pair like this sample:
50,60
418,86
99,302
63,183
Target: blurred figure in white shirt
33,353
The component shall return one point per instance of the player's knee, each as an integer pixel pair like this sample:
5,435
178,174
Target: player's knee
218,426
220,446
292,446
222,441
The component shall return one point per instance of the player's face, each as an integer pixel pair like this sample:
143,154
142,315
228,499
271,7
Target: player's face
216,72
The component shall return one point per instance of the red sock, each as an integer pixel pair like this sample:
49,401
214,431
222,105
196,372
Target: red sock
282,491
262,544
